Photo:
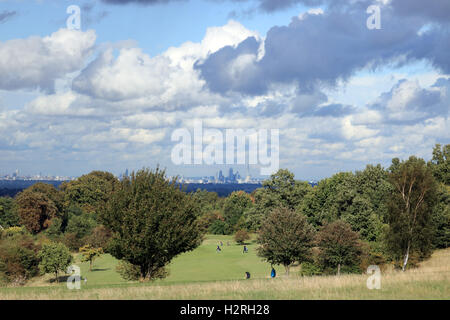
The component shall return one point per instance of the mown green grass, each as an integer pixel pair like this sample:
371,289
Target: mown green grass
200,265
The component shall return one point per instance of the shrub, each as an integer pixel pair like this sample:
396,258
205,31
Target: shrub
128,271
372,255
18,259
132,272
309,269
241,236
12,231
54,257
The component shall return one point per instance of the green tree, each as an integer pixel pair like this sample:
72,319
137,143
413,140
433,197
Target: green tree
90,191
81,225
234,208
363,219
285,237
54,257
152,221
330,199
281,190
410,210
373,184
8,213
440,163
357,198
339,246
89,254
441,218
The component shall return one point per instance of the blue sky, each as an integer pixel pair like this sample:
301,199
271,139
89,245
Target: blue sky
109,96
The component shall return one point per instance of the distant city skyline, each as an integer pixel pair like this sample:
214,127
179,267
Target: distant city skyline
232,177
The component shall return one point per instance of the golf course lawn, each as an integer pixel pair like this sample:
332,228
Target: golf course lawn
202,264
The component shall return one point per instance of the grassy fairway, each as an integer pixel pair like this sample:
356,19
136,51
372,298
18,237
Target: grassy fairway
202,264
205,274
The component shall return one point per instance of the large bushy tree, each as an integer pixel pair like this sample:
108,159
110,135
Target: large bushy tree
410,209
339,246
90,191
151,220
35,210
285,237
357,198
51,193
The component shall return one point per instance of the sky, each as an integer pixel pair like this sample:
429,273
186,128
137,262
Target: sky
110,94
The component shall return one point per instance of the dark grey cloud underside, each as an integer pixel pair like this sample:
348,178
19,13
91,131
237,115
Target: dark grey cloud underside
6,15
143,2
323,49
434,9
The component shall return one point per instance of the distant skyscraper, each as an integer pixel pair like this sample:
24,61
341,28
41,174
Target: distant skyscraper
230,174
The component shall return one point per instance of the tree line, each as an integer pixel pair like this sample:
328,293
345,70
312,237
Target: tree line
396,215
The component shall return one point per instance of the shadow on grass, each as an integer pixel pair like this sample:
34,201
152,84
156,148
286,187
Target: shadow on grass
100,269
61,279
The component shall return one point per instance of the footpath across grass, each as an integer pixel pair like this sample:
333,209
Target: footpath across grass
206,274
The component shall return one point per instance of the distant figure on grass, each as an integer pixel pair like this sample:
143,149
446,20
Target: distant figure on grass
245,250
221,243
85,280
273,273
247,275
218,249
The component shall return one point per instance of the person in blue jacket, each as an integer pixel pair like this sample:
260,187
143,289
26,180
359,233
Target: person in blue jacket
273,273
